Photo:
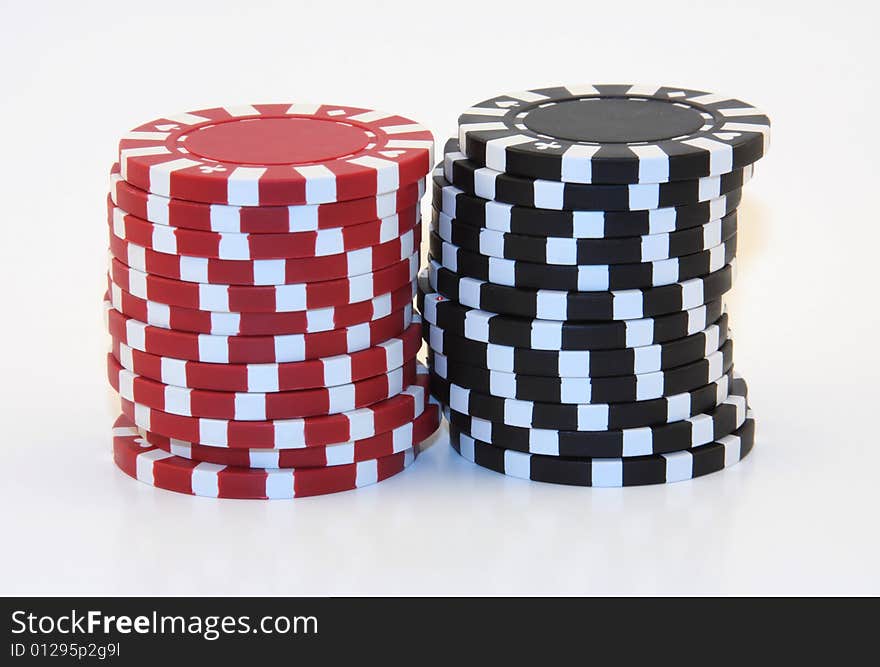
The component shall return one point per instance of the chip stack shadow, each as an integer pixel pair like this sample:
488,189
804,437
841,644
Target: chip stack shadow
581,244
263,264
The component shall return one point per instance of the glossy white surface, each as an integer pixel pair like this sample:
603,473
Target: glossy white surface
798,516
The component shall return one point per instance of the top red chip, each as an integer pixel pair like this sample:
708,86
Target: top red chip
276,154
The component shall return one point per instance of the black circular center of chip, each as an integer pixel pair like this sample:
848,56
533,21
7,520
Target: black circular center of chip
614,120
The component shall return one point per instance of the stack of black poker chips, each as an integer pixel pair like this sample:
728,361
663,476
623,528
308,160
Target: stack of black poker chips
581,244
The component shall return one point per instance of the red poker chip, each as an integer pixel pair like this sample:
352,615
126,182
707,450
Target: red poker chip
259,324
151,465
257,406
222,245
288,433
259,219
264,298
254,349
323,372
270,154
266,271
383,444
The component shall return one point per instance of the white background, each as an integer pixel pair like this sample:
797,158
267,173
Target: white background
798,516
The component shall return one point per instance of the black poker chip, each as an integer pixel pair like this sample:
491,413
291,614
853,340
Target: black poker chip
583,390
680,435
555,195
581,416
578,363
614,133
572,305
572,251
580,278
538,334
609,472
482,212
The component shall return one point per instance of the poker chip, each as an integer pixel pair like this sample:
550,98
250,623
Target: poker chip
538,334
477,211
610,472
264,298
614,133
578,363
593,390
685,434
259,324
229,245
262,269
163,210
266,271
573,251
254,349
256,406
571,305
580,416
581,277
163,470
378,446
289,376
556,195
338,428
275,154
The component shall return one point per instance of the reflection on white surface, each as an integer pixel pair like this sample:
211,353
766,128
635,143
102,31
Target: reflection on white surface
445,526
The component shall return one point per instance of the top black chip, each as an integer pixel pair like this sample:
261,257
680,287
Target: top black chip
614,134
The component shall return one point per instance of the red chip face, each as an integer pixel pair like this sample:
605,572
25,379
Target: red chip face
276,154
276,141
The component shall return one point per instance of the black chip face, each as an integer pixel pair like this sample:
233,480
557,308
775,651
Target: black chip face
614,120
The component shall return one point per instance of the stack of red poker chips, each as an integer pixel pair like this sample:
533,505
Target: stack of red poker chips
262,269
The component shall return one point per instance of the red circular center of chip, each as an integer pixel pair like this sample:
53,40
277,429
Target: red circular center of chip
274,141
